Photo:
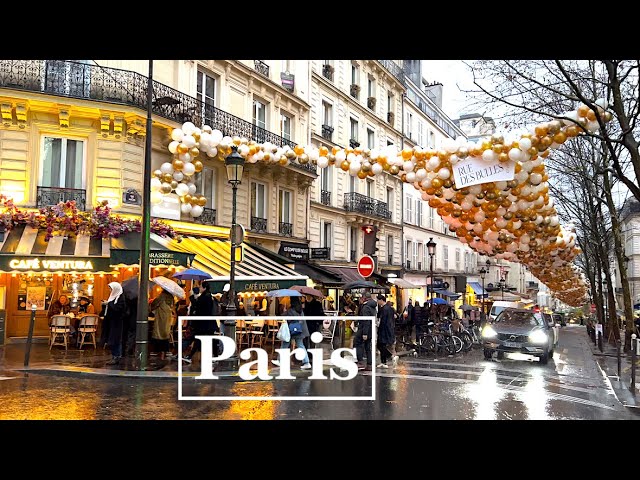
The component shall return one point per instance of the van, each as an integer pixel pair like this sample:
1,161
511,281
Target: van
500,305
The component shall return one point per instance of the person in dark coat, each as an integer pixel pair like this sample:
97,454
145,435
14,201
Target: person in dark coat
205,307
386,333
296,311
115,315
313,308
362,340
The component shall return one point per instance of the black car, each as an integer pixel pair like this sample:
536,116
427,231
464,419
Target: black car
518,330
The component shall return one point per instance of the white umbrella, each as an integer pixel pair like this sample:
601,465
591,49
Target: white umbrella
170,286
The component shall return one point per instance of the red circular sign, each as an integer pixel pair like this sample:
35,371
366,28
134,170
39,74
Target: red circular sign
366,266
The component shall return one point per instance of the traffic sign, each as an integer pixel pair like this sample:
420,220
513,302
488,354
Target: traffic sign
366,266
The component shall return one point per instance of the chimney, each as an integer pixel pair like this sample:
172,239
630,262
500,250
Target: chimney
434,92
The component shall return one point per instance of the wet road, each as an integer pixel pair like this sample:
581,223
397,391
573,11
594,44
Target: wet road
463,387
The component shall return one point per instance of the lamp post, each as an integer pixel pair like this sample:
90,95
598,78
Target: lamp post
431,249
503,279
234,164
483,273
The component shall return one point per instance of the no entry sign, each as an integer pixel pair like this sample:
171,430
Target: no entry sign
366,266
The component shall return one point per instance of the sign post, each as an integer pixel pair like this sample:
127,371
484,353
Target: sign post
27,352
366,265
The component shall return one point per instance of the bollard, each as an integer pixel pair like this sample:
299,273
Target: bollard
27,352
618,344
633,363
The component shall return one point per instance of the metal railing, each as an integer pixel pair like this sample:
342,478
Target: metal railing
432,112
208,217
112,85
353,143
394,70
49,196
356,202
286,229
261,67
325,197
258,224
327,132
354,90
327,71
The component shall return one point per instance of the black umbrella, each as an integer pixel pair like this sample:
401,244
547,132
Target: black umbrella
130,288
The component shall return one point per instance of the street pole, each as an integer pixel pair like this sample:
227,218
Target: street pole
482,316
142,322
231,303
633,363
32,321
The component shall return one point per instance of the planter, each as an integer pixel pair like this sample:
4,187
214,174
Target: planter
371,102
354,90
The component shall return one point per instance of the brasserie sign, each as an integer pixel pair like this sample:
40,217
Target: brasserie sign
42,264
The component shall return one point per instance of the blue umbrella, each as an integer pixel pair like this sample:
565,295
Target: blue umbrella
284,292
438,301
192,274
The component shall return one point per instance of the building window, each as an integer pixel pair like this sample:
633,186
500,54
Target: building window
430,217
352,184
205,182
407,254
286,202
390,201
327,113
325,240
408,126
371,138
420,134
258,200
408,211
419,264
62,163
432,139
390,249
371,87
353,241
457,259
259,114
414,265
445,256
285,126
418,212
206,94
354,129
425,257
389,142
326,179
389,103
355,74
371,191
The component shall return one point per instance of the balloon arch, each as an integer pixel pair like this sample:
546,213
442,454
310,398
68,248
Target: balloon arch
493,194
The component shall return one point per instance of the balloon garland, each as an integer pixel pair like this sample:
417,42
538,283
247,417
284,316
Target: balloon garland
514,220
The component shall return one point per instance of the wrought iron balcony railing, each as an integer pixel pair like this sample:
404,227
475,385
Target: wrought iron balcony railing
356,202
112,85
394,70
325,197
354,90
208,217
48,196
261,67
286,229
327,132
327,71
259,224
353,143
353,257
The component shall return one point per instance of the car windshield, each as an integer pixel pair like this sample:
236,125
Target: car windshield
496,310
518,319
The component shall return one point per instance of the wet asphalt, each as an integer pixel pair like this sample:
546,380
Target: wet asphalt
467,386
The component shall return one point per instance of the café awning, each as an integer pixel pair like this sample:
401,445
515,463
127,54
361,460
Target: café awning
125,250
350,274
447,293
478,290
256,272
402,283
318,274
24,249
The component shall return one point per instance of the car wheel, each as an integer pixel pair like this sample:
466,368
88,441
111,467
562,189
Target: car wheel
488,354
544,358
500,355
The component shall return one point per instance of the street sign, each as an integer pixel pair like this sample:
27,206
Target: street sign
366,266
593,308
131,197
599,328
236,234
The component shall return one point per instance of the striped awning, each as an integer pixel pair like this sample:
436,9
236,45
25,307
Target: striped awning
256,272
125,250
24,249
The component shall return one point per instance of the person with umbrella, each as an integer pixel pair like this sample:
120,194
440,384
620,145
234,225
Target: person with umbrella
313,308
162,308
114,315
296,311
205,307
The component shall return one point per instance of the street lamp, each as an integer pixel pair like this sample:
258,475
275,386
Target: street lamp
483,272
431,249
503,279
234,164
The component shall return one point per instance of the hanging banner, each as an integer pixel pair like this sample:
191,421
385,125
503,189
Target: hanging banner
474,171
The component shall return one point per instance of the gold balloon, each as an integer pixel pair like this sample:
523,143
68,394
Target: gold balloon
194,152
178,164
174,185
236,140
202,200
362,175
291,155
182,148
283,160
303,159
394,169
187,198
165,188
158,174
167,177
198,165
344,165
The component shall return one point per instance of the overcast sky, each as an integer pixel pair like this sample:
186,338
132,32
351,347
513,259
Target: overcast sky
453,74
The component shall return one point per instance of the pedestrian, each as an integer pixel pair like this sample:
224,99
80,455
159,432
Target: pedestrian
192,311
420,319
115,314
313,308
386,333
296,311
205,307
362,340
162,307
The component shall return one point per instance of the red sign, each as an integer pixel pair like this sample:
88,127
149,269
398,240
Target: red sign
593,308
366,266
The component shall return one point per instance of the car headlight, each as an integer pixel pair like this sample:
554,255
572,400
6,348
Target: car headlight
538,336
489,332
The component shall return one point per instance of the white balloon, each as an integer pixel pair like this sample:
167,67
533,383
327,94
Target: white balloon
177,134
185,208
173,146
192,188
189,169
188,128
189,141
166,167
185,157
178,176
323,162
421,174
449,145
341,156
515,154
196,211
501,185
408,166
155,184
243,150
524,144
535,178
444,173
182,189
216,137
156,197
489,155
433,163
314,154
377,169
354,168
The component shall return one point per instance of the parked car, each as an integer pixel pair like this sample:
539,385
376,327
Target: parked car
499,305
519,330
554,326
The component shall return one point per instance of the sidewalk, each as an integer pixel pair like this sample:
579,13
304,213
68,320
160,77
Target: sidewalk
607,360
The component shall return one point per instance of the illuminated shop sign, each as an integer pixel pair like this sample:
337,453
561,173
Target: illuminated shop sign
55,264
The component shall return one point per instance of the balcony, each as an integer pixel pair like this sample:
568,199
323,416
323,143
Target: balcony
259,225
327,71
327,132
353,257
124,87
394,70
353,143
354,90
358,203
391,118
208,217
371,103
49,196
325,197
261,67
286,229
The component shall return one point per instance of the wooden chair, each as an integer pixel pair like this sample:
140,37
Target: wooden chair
88,326
60,327
257,331
272,331
242,332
